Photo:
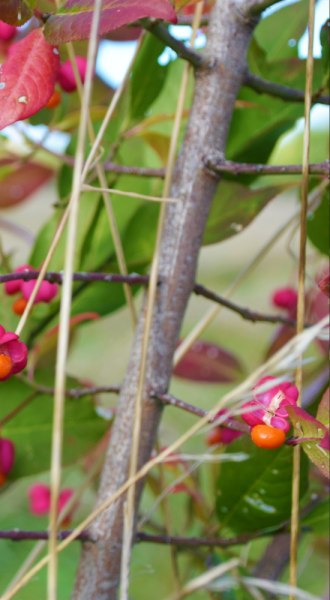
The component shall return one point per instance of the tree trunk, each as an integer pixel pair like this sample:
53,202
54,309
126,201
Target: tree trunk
216,88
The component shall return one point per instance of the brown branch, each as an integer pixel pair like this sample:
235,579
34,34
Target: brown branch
197,542
228,166
256,7
134,279
170,400
140,171
17,535
262,86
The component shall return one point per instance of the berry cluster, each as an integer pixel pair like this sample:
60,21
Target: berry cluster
46,293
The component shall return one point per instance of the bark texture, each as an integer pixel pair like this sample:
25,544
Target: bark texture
216,89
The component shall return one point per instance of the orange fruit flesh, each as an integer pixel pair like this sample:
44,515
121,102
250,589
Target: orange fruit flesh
19,306
54,100
2,479
267,437
5,365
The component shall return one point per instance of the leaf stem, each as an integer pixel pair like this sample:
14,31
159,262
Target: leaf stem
263,86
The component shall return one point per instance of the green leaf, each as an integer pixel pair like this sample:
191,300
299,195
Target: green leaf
148,76
17,12
307,427
286,25
318,518
318,226
256,494
31,429
323,409
234,206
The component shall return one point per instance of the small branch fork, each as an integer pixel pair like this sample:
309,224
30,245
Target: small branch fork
135,279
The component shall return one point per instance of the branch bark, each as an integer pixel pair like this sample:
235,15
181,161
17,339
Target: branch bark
228,166
262,86
216,90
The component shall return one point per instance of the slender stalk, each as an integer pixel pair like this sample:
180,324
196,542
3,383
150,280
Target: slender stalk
301,290
18,408
194,58
106,197
63,339
86,187
227,166
140,171
262,86
238,392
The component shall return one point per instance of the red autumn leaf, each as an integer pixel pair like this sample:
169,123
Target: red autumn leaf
124,34
72,21
324,286
27,78
18,181
208,363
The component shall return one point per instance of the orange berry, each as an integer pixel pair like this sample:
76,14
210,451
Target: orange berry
268,437
54,100
19,306
2,479
214,436
5,365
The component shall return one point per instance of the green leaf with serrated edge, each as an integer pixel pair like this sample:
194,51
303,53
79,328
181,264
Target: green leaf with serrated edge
31,429
318,225
148,76
318,518
255,494
16,12
234,206
308,427
280,32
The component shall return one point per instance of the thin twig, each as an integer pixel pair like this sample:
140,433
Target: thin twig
194,58
290,349
86,187
301,290
228,166
139,171
256,7
18,408
63,335
262,86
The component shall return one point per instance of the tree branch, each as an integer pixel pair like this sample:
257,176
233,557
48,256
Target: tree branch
262,86
170,400
256,7
196,59
135,279
140,171
227,166
18,535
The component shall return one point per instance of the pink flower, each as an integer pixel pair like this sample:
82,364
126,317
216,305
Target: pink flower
285,297
13,354
7,32
46,292
66,76
269,407
14,287
7,456
39,500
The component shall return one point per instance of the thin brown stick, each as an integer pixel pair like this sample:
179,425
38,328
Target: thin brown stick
18,408
301,290
262,86
228,166
139,171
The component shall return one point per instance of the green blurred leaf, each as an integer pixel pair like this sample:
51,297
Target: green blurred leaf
17,12
148,76
323,409
256,494
277,32
31,429
318,518
234,206
318,226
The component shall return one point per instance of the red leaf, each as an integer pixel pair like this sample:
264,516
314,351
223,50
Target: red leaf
28,78
124,34
17,182
210,363
72,21
15,12
324,286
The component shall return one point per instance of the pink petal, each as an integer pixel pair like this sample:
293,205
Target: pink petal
229,435
8,337
65,496
14,287
46,292
7,455
18,353
280,423
39,496
252,418
292,393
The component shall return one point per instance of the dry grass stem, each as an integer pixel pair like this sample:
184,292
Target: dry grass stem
206,578
63,338
292,349
275,588
86,187
301,289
